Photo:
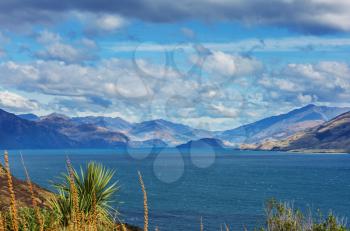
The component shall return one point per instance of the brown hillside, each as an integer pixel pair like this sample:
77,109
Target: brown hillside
23,196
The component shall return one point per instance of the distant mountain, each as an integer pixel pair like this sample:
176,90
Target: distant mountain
281,126
56,130
332,136
202,144
171,133
17,133
115,124
87,135
155,143
29,116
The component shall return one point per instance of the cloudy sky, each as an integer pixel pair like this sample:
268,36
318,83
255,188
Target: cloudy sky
211,64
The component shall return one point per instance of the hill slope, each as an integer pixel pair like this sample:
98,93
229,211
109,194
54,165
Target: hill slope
281,126
171,133
22,193
114,124
204,143
17,133
86,135
332,136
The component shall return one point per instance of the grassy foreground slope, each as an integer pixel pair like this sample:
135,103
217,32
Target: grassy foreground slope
22,192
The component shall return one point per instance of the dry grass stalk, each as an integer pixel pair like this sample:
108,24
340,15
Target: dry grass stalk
34,202
145,207
93,216
124,227
13,209
2,223
121,227
75,197
24,224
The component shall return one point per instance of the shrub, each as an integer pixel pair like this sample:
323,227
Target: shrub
283,217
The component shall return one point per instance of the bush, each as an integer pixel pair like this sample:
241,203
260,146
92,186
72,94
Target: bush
283,217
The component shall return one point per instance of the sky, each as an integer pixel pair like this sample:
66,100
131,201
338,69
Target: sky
213,64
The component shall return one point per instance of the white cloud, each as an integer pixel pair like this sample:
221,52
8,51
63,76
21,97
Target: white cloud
117,84
305,99
223,68
100,23
326,81
17,103
47,37
221,63
148,90
268,44
225,111
61,51
109,22
56,49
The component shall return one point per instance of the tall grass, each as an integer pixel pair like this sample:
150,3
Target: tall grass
86,198
2,222
83,202
75,211
13,208
145,205
281,216
34,202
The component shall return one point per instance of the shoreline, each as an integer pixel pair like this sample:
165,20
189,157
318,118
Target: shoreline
320,151
304,151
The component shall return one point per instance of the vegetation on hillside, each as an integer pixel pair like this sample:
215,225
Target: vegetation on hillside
84,200
283,217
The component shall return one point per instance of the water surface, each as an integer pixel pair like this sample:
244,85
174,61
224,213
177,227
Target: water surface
222,187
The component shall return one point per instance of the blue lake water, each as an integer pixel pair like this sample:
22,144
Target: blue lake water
222,187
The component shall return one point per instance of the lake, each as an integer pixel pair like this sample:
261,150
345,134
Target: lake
221,186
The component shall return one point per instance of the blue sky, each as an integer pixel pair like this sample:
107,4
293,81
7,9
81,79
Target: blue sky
208,64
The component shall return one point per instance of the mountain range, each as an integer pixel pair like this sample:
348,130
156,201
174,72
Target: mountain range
331,136
86,135
60,131
171,133
281,126
18,133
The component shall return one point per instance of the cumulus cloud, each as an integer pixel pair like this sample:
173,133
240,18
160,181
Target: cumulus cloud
225,111
17,103
109,22
326,81
56,49
229,87
113,78
220,68
220,63
139,89
97,23
311,16
305,99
